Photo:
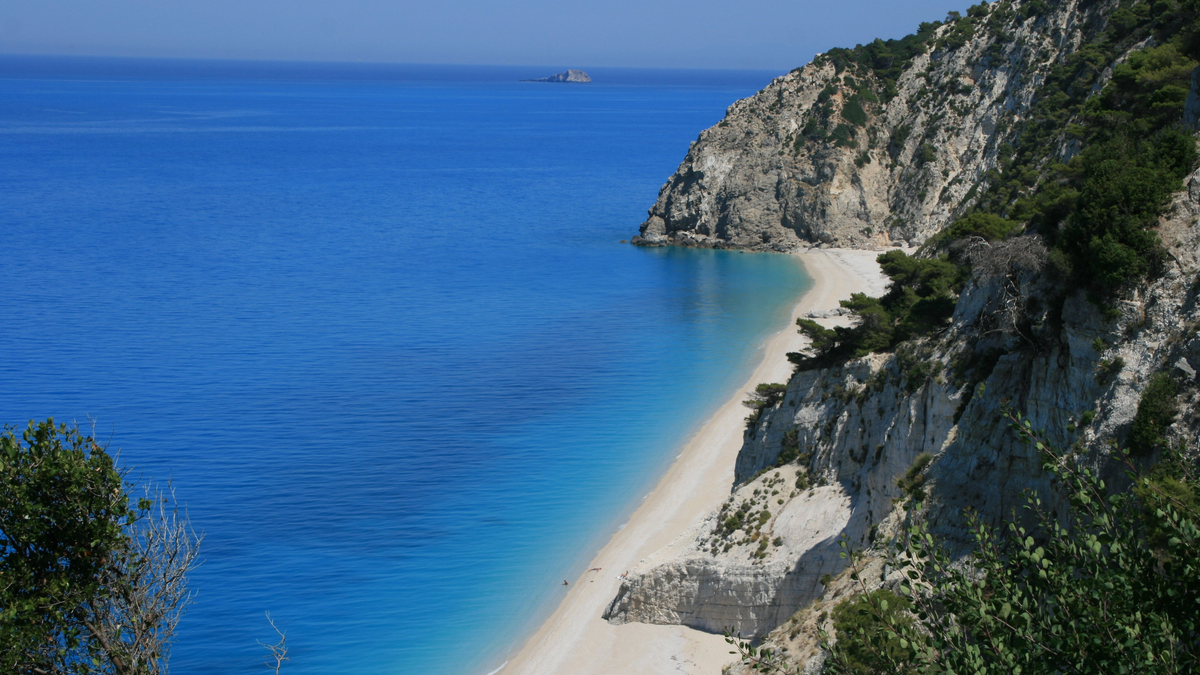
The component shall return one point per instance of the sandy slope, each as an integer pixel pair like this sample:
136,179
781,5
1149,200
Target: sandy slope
575,640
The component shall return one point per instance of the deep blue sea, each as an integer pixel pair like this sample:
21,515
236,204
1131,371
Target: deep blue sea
375,324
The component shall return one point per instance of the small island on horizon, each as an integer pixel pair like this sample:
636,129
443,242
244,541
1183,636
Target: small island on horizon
571,75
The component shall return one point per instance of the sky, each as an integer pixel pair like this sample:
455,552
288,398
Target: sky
749,34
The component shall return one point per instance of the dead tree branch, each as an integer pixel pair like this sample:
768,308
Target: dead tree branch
147,588
278,650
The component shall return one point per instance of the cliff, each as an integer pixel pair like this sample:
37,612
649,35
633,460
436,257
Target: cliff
844,154
862,425
825,460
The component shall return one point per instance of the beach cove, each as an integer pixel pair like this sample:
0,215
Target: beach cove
575,639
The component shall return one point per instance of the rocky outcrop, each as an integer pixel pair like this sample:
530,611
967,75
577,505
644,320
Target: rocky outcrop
571,75
747,583
827,154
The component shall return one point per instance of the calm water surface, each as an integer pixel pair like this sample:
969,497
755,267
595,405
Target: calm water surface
376,326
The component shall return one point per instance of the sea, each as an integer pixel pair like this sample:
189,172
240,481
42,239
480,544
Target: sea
374,325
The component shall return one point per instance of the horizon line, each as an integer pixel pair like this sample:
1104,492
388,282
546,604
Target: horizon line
364,62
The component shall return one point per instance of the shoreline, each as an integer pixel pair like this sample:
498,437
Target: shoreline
574,640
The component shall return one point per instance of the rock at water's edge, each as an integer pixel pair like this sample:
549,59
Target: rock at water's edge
571,75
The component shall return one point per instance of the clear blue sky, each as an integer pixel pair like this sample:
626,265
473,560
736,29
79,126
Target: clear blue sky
769,34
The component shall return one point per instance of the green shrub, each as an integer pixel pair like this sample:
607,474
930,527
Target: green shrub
912,483
1155,412
92,580
1110,586
63,518
1108,235
867,642
789,449
853,112
978,224
964,30
886,59
764,396
920,300
823,339
1097,210
916,366
1108,368
843,136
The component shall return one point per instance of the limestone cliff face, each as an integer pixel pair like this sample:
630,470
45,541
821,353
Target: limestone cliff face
977,461
716,581
863,424
764,179
760,564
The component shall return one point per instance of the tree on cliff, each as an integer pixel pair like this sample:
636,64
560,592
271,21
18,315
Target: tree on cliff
92,580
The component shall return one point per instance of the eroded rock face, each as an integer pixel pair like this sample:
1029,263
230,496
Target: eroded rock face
978,462
758,181
729,582
860,426
1015,343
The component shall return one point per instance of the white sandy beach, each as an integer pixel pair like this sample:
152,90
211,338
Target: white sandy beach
575,640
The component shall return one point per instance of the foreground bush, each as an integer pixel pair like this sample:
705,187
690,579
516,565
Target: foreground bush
1112,586
1085,593
92,580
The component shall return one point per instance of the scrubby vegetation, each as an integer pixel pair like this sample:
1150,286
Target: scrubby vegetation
1108,369
920,300
1155,412
866,632
978,224
1088,593
764,396
1110,586
789,450
1109,581
886,59
1096,212
92,578
1097,209
912,483
745,524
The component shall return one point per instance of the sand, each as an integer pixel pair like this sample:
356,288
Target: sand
575,640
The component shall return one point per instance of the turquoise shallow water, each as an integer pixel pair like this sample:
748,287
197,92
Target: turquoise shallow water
375,324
